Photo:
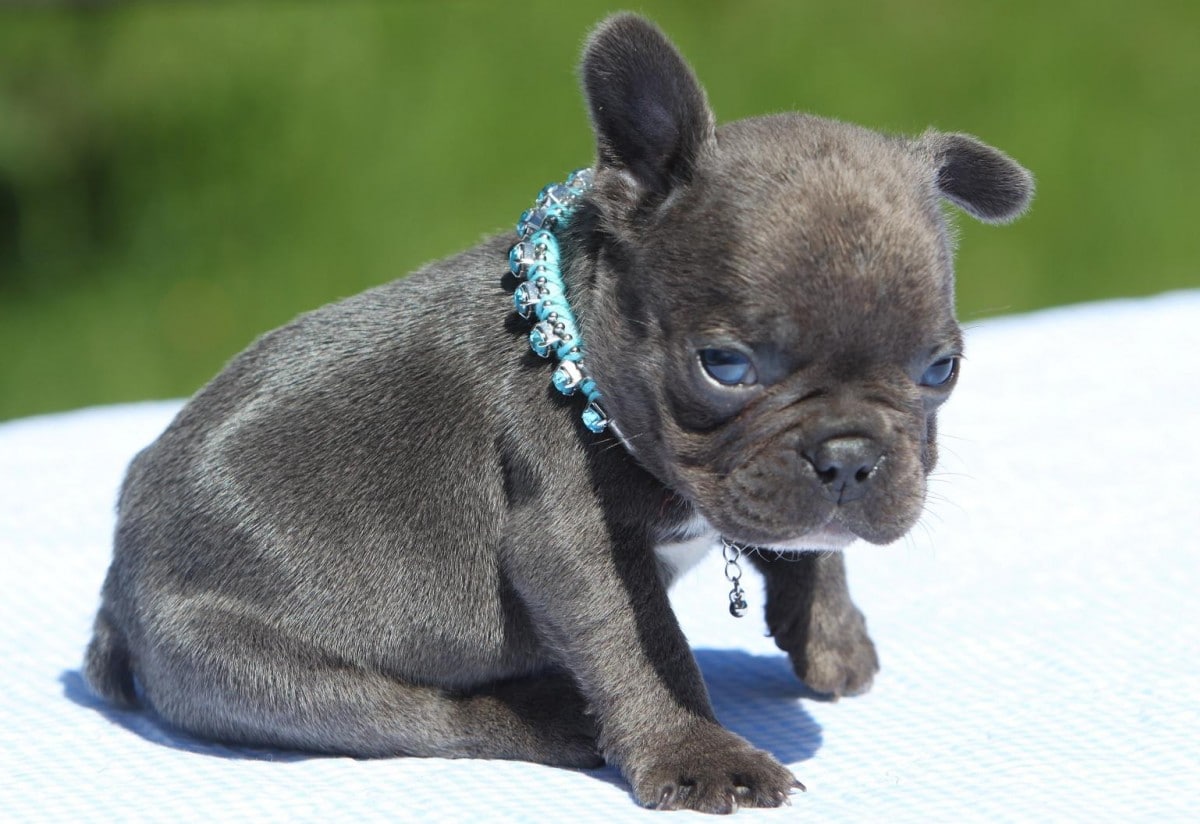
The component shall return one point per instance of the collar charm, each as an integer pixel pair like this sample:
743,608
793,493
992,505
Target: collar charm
732,553
542,296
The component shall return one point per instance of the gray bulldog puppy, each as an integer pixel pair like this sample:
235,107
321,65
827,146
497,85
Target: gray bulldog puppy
380,531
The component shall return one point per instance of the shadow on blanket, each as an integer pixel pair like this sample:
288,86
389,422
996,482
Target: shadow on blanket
756,696
753,695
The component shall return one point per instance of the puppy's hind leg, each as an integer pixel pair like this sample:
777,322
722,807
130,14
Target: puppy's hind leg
234,678
106,665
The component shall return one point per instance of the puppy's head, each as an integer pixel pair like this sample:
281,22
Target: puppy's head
771,304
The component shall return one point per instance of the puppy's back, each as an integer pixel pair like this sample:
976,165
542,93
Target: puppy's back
305,463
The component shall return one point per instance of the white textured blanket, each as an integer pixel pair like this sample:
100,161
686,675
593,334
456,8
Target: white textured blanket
1039,632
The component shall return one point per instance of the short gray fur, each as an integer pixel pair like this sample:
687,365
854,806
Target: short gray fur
379,531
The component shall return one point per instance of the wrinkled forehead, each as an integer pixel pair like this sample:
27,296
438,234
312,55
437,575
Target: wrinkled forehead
835,230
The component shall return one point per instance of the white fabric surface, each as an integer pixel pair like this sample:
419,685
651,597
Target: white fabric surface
1039,630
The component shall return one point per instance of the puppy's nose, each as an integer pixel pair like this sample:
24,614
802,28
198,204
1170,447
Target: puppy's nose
844,466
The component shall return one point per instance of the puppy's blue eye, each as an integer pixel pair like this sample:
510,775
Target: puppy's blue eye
940,372
727,367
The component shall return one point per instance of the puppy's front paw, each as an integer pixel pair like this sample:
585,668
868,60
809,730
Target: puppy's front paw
837,657
712,771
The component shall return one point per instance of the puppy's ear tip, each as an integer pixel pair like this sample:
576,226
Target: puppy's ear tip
610,37
648,111
621,25
978,178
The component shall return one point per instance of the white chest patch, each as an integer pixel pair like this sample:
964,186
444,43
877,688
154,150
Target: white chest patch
677,557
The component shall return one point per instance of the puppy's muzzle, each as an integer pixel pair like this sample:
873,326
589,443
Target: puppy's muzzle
845,466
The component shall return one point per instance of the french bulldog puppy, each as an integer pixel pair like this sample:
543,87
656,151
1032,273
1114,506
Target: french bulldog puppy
379,531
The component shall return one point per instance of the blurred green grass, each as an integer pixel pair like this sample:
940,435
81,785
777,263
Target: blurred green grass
176,178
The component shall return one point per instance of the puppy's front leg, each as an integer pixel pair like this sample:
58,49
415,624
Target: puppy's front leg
603,611
813,620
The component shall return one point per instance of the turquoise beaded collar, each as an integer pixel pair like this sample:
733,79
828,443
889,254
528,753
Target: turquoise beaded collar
536,260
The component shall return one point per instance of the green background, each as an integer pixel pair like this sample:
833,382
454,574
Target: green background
176,178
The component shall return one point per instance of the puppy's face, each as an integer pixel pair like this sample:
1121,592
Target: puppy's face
774,319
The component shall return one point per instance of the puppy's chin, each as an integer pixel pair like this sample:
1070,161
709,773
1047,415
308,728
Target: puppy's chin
832,537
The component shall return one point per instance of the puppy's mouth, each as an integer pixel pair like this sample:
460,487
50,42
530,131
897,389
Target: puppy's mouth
832,537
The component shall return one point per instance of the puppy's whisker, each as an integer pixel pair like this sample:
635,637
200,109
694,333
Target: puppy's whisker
930,515
947,477
620,442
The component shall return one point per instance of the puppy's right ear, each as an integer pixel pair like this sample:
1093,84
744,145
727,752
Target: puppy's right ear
650,115
982,180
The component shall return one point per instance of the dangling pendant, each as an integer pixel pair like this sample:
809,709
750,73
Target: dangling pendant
733,574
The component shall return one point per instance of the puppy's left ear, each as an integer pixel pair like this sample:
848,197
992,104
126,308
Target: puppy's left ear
649,113
983,181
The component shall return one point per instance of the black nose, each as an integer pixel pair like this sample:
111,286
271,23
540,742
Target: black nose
845,466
